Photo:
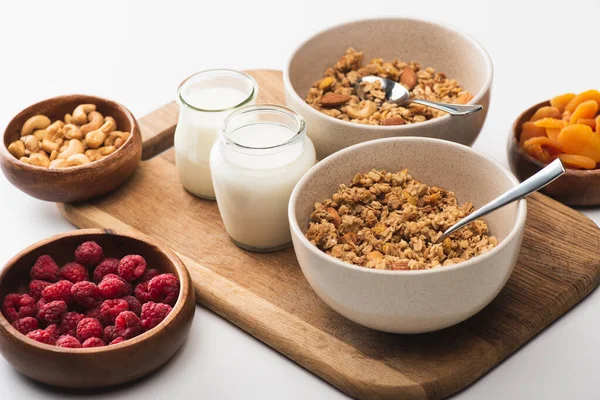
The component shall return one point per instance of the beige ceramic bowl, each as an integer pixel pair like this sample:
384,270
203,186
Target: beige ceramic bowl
447,50
411,301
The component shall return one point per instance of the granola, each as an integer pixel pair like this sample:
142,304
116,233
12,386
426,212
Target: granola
335,96
391,221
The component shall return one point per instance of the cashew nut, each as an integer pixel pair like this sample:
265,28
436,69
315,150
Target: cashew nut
78,159
53,155
369,108
59,163
17,149
95,122
40,134
71,131
97,154
53,135
33,123
117,139
69,119
95,139
74,147
81,111
109,125
49,146
55,127
31,143
38,159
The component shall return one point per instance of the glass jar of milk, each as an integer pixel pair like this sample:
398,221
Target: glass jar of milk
261,154
205,99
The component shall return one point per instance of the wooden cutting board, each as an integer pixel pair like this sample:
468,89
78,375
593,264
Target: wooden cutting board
267,295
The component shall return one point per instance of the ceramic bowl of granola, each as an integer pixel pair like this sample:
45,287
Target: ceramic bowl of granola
434,61
365,223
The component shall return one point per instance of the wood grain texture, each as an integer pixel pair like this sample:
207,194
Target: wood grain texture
100,366
267,295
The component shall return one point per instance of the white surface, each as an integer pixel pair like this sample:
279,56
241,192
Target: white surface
137,53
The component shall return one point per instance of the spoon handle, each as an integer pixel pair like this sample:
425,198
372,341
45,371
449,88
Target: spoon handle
453,109
548,174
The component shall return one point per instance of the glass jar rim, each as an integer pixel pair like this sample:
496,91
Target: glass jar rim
253,94
274,108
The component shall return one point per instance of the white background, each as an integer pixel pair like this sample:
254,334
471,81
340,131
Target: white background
137,53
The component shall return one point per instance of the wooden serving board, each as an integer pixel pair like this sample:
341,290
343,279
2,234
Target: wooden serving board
267,295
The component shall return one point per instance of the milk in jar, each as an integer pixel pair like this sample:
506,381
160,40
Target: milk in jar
205,99
261,154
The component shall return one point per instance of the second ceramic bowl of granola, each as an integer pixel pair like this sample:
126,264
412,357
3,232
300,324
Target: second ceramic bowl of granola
410,301
443,48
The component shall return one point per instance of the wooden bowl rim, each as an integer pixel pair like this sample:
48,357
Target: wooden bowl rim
88,98
582,173
177,263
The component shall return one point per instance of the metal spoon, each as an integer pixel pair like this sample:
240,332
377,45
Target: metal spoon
548,174
398,94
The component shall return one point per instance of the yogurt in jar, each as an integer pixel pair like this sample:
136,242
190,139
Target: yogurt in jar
205,99
262,153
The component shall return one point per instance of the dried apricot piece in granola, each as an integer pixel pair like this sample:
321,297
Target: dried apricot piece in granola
550,123
546,112
528,131
586,109
553,133
577,162
581,97
581,140
562,100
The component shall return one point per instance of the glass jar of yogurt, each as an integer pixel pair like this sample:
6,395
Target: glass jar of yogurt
261,154
205,99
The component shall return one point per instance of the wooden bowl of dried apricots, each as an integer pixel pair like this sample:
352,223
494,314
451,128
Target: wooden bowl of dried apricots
565,127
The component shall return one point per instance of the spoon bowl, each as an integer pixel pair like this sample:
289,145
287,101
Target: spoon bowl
399,95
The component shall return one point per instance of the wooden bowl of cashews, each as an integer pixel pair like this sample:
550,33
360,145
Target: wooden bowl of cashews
71,148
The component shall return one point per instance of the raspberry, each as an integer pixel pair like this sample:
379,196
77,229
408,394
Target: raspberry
60,290
128,325
134,304
153,314
117,341
16,306
112,287
52,312
141,292
41,336
110,334
87,328
70,320
94,312
53,331
68,341
44,269
74,272
94,342
25,325
107,266
40,304
111,308
88,253
149,274
131,267
164,288
86,294
35,288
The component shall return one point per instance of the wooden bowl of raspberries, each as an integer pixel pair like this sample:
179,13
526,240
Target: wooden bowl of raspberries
93,308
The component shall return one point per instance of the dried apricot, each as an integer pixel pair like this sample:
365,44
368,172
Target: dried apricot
581,140
591,122
598,124
578,162
550,123
551,145
539,153
566,116
553,133
545,112
562,100
528,131
581,97
586,109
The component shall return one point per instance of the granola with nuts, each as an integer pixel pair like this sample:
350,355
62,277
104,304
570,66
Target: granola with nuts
391,221
335,96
